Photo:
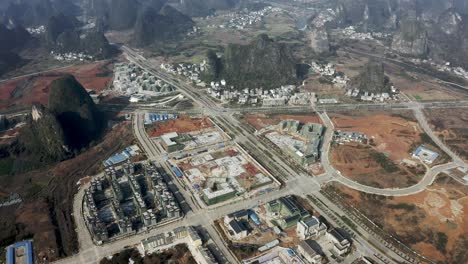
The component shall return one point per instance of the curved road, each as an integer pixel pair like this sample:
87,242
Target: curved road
427,180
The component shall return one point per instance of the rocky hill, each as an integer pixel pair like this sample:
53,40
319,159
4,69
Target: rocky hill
123,14
367,14
319,41
372,79
37,12
75,111
17,38
58,24
262,63
156,26
43,138
8,61
69,123
13,37
63,35
448,38
411,38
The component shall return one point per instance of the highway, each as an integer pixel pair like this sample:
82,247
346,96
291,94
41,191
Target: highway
296,183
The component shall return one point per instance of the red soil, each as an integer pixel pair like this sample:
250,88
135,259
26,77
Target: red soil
183,124
27,90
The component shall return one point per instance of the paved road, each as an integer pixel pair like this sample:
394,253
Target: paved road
297,183
427,129
427,180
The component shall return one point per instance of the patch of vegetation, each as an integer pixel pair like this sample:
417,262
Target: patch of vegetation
6,165
403,116
426,139
387,164
402,206
177,255
348,221
441,241
34,189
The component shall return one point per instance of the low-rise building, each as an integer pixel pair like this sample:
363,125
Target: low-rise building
310,227
20,252
348,136
341,245
237,229
306,250
425,155
288,212
224,193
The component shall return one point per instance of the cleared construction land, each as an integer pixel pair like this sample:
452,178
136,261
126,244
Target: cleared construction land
24,91
182,124
451,125
386,161
221,174
432,222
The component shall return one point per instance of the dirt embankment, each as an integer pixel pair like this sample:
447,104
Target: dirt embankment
46,216
432,222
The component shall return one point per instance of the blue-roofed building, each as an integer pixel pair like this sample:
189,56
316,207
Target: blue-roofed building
123,156
425,155
177,172
155,118
20,252
254,217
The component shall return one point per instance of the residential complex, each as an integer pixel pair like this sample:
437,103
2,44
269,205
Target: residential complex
128,199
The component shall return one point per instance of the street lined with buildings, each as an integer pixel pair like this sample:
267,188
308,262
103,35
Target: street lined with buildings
297,183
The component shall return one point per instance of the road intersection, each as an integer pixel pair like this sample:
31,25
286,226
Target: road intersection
297,183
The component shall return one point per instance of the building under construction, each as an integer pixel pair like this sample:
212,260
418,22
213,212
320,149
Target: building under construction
128,199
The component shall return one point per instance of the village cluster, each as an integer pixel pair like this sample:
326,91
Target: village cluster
283,95
458,71
244,19
71,56
351,33
191,71
328,70
372,97
36,30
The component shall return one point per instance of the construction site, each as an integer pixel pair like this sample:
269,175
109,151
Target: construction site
282,231
223,172
128,199
179,124
188,142
300,141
